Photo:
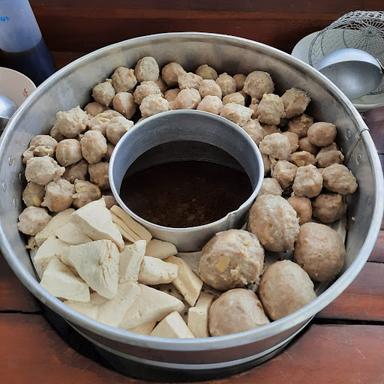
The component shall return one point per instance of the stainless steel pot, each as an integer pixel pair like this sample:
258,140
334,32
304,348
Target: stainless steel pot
70,87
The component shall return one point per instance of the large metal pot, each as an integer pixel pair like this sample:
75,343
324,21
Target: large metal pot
71,86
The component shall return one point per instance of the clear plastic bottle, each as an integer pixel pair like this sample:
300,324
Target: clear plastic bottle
21,44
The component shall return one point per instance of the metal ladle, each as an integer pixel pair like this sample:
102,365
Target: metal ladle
354,71
7,109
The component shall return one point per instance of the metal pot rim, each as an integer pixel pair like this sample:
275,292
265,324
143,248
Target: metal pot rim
231,340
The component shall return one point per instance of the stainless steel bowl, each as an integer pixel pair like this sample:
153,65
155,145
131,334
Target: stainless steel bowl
71,86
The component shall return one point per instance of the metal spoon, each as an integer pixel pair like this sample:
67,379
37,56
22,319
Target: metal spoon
7,109
354,71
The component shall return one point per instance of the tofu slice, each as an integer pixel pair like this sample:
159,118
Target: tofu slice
192,259
95,221
172,326
154,271
55,223
188,284
97,263
198,315
126,232
151,305
72,234
90,309
160,249
132,224
51,248
130,261
59,281
144,329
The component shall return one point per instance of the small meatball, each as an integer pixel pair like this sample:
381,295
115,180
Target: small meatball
93,146
236,310
124,103
76,171
85,192
254,130
55,133
100,121
98,174
170,73
300,125
212,104
236,113
270,186
236,98
329,207
189,80
110,149
266,163
257,83
269,129
109,201
152,105
273,220
303,158
284,172
123,79
328,156
226,83
303,208
145,89
68,152
322,134
209,88
308,181
293,140
206,72
187,99
42,170
338,178
276,145
71,123
32,220
33,194
116,128
94,108
295,102
255,108
305,145
270,109
285,287
320,251
239,80
171,94
232,258
104,93
147,69
43,145
58,195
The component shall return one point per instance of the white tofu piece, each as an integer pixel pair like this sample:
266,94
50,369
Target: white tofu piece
55,223
192,259
59,281
144,329
154,271
51,248
97,263
160,249
112,312
151,305
132,224
198,315
72,234
172,326
126,232
90,309
95,221
130,261
188,284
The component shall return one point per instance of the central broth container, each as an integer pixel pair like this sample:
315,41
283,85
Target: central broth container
183,131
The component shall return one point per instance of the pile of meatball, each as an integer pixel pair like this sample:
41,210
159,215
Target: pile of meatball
302,194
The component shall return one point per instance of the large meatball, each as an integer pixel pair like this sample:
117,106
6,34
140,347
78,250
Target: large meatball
32,220
227,84
42,170
212,104
236,113
254,130
147,69
234,311
284,172
338,178
322,134
271,109
206,72
209,88
170,73
123,79
303,158
329,207
189,80
308,181
273,220
58,195
328,156
186,99
232,258
285,288
257,83
300,125
71,123
295,102
68,152
270,186
103,93
320,251
276,145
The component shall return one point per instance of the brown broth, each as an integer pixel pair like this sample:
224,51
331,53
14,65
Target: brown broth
185,193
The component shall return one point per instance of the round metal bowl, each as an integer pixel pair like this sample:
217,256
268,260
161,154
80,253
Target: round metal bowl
71,86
